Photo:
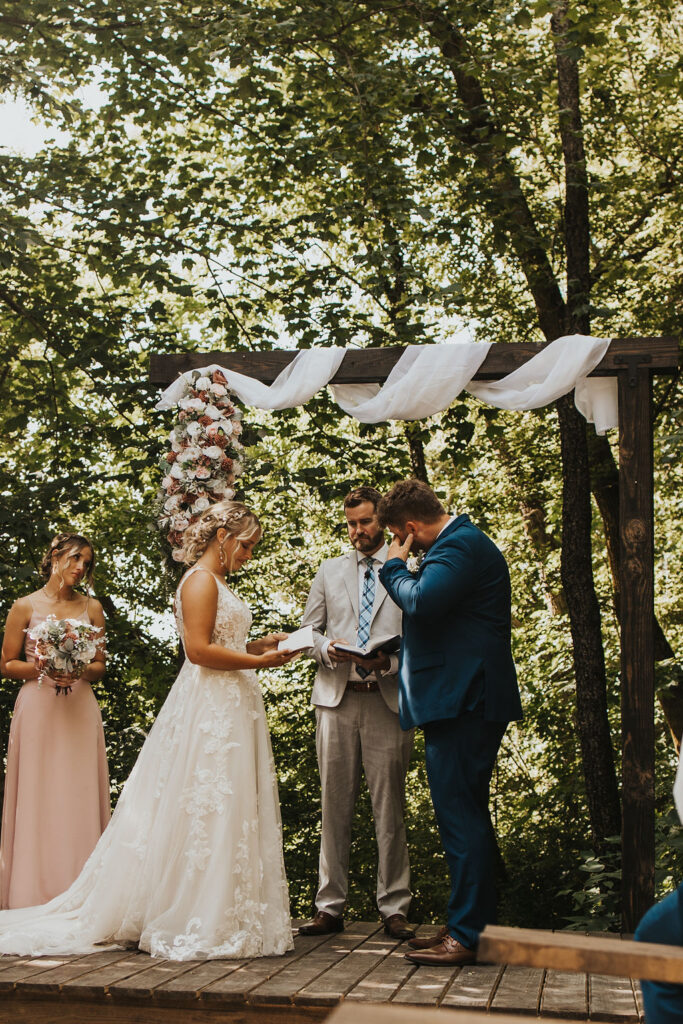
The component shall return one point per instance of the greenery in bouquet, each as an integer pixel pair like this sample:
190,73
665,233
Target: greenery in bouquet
65,646
205,457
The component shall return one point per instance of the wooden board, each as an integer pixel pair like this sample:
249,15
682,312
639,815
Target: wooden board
373,365
565,995
572,951
474,987
611,999
355,1014
519,989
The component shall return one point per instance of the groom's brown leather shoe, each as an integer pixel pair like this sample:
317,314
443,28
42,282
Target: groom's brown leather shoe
397,927
322,924
427,941
449,953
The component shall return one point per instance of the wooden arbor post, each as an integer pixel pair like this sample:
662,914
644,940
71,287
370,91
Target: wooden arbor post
633,361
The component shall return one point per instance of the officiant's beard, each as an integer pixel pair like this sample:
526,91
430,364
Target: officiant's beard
370,544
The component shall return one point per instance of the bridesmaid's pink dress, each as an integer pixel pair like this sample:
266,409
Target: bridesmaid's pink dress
56,802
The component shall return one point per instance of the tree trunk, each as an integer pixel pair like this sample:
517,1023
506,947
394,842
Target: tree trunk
577,568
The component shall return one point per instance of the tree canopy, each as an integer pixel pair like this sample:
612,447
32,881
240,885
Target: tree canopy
266,174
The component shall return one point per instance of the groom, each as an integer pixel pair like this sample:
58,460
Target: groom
457,681
357,726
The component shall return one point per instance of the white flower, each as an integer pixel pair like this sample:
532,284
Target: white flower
224,425
193,404
202,473
202,383
218,389
166,482
180,522
178,554
175,446
172,503
237,468
189,454
213,452
213,412
176,471
201,505
194,428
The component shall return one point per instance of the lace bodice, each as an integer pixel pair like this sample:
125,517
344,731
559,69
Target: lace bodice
233,617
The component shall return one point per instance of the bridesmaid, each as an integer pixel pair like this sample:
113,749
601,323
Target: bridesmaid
56,802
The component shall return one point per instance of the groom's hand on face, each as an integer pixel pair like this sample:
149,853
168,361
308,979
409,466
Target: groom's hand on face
400,549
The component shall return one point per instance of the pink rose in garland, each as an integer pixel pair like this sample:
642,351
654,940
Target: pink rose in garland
205,456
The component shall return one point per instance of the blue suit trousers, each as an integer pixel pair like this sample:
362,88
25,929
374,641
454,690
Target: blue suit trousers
663,923
460,754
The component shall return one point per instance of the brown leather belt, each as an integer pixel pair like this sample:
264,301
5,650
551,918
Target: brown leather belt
363,685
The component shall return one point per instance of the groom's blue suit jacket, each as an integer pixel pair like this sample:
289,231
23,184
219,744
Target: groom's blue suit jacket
455,651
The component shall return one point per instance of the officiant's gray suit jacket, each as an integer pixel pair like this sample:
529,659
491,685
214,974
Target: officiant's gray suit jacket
332,611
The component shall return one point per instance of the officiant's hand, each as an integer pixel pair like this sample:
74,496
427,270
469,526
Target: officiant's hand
380,662
336,655
398,549
266,643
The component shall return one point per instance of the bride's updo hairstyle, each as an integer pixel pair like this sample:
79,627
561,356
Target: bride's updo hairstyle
66,544
232,516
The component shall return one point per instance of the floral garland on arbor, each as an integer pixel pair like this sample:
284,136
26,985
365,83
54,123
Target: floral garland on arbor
204,460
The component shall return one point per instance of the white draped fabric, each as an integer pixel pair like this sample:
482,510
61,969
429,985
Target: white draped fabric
428,378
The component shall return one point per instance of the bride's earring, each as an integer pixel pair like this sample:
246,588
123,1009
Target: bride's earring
221,555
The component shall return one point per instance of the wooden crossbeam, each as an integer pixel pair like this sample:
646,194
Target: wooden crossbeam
373,365
355,1014
572,951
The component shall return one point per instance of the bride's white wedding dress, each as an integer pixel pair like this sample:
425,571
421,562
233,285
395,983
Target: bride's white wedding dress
191,864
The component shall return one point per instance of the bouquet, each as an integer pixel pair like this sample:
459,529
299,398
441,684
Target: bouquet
65,646
204,459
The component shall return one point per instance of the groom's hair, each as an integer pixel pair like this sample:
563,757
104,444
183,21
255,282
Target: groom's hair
409,499
360,494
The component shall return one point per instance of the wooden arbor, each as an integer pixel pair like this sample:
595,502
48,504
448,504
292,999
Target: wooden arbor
633,361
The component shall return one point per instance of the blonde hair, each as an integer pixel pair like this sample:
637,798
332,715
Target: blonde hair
232,516
68,544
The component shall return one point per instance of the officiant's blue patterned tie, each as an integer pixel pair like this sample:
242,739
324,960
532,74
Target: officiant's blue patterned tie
366,602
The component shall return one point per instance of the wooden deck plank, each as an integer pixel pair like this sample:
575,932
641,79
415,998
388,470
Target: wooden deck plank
519,989
611,999
331,986
190,984
141,985
54,979
95,985
474,987
426,986
564,995
28,967
320,952
238,985
384,981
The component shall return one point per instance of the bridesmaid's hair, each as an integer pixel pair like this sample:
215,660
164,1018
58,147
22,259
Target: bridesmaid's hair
66,544
232,516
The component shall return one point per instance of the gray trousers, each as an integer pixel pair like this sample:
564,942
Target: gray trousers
362,732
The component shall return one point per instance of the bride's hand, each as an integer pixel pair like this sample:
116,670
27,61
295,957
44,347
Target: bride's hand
266,643
273,659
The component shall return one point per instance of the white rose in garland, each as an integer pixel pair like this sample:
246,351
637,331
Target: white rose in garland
204,459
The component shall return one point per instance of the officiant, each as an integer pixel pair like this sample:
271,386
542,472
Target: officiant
357,726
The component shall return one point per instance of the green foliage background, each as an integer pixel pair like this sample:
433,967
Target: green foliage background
257,175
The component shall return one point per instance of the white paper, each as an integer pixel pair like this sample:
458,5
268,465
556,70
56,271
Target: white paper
301,640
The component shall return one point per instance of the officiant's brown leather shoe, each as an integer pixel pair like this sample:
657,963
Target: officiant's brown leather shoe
397,927
449,953
322,924
427,941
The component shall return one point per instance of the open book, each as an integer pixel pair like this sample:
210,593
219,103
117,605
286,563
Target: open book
384,644
301,640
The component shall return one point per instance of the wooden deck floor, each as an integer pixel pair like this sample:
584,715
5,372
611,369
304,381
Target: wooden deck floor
358,965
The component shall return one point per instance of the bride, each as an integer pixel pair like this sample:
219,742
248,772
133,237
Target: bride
191,864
